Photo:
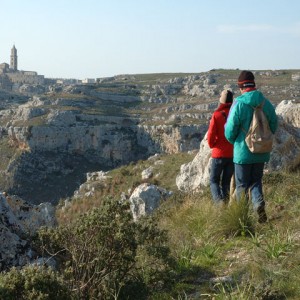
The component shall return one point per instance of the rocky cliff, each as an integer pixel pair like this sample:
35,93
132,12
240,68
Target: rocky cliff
19,221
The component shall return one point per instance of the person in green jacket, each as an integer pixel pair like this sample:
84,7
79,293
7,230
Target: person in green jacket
248,166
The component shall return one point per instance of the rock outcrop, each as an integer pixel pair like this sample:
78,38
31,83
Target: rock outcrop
195,174
289,111
145,199
18,222
286,149
56,157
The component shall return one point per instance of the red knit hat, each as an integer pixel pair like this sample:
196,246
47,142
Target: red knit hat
246,79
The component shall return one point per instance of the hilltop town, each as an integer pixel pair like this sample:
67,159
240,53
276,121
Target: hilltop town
11,78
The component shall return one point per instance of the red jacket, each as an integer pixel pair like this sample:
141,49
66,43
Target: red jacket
215,135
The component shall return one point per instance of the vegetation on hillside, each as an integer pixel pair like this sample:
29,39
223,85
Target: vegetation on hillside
188,249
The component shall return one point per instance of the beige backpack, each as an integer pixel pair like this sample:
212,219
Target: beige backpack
259,137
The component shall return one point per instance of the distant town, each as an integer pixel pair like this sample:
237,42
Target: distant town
11,78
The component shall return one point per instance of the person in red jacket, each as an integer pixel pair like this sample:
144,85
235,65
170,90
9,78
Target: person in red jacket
222,166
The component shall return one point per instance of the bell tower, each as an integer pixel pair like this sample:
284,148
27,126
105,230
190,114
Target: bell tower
14,59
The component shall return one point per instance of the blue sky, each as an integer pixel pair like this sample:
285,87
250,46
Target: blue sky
98,38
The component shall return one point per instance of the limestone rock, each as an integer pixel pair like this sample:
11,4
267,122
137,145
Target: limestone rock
94,180
27,113
12,247
96,176
286,149
19,220
147,173
8,217
145,199
32,217
195,174
289,110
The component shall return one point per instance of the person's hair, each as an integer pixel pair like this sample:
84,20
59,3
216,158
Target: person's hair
229,97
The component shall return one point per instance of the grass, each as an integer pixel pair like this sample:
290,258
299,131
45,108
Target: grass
262,260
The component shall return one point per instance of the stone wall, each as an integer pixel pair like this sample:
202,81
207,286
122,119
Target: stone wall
25,77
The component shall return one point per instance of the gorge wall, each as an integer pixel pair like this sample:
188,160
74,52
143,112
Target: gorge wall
54,159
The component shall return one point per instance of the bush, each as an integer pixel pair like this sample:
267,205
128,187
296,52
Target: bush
104,253
33,282
101,249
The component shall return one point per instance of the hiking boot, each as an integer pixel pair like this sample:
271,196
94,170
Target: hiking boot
262,216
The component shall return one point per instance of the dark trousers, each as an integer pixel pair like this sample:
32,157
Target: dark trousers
220,175
248,177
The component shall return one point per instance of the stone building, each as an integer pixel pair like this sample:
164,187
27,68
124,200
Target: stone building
12,78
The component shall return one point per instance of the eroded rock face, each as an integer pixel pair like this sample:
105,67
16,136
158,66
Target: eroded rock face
286,149
289,110
31,217
285,154
55,158
195,174
18,221
110,141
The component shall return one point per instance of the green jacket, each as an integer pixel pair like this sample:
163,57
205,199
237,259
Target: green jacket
238,123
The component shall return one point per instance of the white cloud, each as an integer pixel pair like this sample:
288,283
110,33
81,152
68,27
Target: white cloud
249,28
293,29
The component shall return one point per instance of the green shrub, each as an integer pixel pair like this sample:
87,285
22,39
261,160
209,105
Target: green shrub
104,253
31,283
101,248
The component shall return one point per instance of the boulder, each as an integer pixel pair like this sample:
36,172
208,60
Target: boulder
145,199
147,173
286,149
289,110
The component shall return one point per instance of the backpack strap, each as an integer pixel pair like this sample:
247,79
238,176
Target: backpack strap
261,105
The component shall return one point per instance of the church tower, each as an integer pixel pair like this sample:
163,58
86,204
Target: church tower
14,59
